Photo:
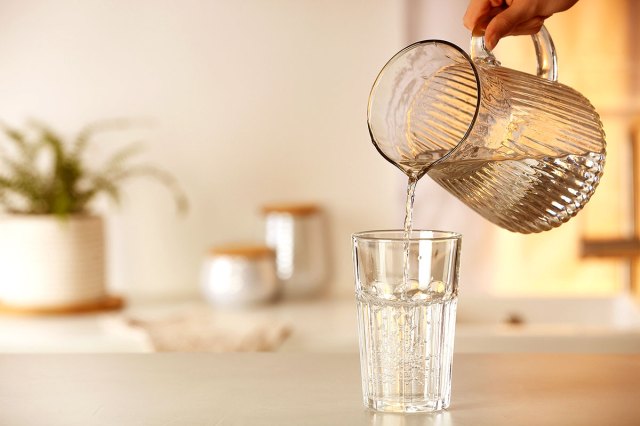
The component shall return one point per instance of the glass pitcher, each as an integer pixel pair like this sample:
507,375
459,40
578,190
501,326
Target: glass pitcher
524,151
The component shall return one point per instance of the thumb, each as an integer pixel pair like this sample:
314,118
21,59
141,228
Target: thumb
504,22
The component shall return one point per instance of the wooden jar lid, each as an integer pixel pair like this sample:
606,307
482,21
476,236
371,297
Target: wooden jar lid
295,209
251,251
107,303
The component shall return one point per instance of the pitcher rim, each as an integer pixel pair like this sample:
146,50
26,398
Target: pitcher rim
398,55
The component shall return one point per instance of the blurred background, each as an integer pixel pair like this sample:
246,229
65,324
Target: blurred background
258,103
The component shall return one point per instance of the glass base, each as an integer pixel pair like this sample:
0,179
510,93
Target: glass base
405,407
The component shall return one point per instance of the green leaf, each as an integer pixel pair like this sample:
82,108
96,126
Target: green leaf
88,132
118,160
19,139
98,184
161,176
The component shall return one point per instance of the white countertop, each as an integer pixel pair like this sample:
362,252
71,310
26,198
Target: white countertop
330,326
307,389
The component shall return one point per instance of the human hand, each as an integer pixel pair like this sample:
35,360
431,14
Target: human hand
499,18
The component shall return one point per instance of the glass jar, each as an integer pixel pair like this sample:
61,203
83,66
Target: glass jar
240,275
297,232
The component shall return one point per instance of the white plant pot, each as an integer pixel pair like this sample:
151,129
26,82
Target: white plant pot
47,261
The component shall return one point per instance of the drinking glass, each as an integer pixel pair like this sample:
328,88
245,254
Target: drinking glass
406,291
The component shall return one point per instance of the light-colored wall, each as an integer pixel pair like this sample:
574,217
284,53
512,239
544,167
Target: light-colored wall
251,102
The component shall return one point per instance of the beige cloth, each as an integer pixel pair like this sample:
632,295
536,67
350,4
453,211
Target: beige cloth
206,330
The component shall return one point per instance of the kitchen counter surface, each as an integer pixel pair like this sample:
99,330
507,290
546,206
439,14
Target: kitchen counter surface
329,326
307,389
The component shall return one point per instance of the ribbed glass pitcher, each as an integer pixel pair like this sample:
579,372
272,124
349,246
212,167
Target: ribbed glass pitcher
524,151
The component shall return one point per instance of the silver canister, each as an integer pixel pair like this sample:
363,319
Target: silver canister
240,275
297,232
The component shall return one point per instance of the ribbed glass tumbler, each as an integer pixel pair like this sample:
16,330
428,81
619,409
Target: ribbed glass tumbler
406,291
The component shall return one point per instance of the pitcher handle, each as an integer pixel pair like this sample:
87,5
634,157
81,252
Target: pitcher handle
545,53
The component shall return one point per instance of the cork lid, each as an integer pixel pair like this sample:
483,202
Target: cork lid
296,209
251,251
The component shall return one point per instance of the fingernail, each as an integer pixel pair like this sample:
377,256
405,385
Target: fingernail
488,43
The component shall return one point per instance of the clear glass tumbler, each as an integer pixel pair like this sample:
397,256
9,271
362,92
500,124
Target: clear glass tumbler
406,291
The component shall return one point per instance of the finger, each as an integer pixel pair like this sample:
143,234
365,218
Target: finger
481,26
478,9
532,26
506,21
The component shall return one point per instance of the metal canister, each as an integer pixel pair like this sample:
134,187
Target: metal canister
240,275
297,232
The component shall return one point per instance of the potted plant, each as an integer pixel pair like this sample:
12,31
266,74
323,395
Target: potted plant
52,253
